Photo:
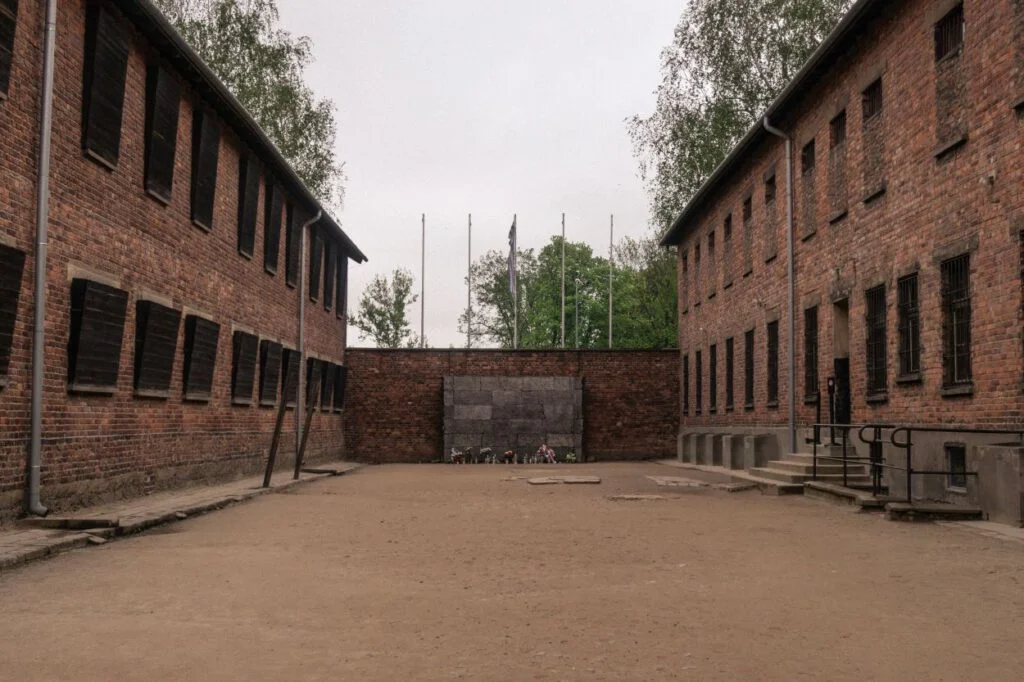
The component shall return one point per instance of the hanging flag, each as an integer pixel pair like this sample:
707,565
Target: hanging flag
512,259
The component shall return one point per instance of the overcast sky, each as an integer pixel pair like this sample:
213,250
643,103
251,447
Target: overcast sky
451,107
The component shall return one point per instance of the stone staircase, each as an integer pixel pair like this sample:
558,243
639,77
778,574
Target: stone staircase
798,468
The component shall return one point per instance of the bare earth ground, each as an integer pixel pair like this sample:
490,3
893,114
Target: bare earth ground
436,573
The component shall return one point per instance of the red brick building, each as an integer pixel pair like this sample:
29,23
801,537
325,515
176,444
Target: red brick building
180,245
907,134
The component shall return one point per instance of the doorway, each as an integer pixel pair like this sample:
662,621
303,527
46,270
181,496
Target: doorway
841,408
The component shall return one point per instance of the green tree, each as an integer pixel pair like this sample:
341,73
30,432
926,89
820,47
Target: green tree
381,316
263,66
728,60
646,295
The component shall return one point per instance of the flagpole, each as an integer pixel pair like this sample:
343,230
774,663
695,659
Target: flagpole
469,284
563,280
515,294
611,272
423,279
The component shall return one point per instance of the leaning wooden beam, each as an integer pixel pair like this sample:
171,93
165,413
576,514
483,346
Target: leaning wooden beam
278,425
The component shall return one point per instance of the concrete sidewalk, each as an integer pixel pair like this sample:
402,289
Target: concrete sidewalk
28,539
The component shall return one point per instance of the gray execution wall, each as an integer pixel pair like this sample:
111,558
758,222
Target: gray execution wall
513,413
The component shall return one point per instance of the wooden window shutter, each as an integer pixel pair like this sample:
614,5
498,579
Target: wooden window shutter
96,334
201,337
290,359
156,342
330,268
340,379
12,265
292,245
243,368
248,201
270,371
316,259
341,285
106,66
314,375
271,226
163,100
205,152
327,386
8,24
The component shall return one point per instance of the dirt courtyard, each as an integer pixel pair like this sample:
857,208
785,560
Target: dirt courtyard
442,572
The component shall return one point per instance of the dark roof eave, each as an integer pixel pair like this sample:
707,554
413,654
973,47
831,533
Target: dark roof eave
824,52
155,26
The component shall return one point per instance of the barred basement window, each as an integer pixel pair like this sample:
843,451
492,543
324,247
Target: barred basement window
956,322
270,372
245,349
290,365
811,387
106,65
748,369
156,343
686,385
12,265
872,101
876,342
909,326
330,263
163,99
8,24
271,226
949,33
773,364
316,260
201,339
327,386
341,286
292,245
96,334
956,461
713,379
248,203
837,130
340,380
699,376
205,152
807,157
730,361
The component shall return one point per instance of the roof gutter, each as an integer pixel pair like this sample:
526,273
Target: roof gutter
795,88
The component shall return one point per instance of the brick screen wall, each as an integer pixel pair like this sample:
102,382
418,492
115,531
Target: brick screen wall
394,406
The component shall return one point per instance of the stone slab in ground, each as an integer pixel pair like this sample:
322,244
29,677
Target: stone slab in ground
569,480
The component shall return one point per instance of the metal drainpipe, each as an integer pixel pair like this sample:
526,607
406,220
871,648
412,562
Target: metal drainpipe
300,388
32,503
790,272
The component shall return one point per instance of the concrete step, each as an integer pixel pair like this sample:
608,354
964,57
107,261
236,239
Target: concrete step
784,476
768,486
837,494
824,468
917,511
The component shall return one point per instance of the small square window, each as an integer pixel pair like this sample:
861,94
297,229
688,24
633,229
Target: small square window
956,460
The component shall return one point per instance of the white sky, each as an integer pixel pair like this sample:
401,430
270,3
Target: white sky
489,107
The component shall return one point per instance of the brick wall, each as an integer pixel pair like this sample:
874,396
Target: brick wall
104,226
394,402
936,204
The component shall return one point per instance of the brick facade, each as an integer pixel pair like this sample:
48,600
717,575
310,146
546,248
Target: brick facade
934,174
395,406
104,227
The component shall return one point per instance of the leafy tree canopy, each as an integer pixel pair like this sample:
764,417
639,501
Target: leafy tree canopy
381,314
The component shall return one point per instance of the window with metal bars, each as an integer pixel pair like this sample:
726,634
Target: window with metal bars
106,66
875,333
8,24
909,326
773,364
871,99
698,372
811,387
730,361
748,370
837,130
686,385
949,33
807,157
713,379
956,322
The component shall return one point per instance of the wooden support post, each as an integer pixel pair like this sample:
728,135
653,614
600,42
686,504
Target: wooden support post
278,425
311,399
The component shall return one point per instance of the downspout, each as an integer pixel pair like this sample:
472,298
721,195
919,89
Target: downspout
790,273
301,345
32,502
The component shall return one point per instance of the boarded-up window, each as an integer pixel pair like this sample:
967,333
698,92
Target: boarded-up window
163,99
12,265
201,337
270,371
96,334
292,246
316,259
272,205
290,361
8,23
314,375
330,267
341,285
327,387
243,367
106,64
248,203
205,152
340,380
156,342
